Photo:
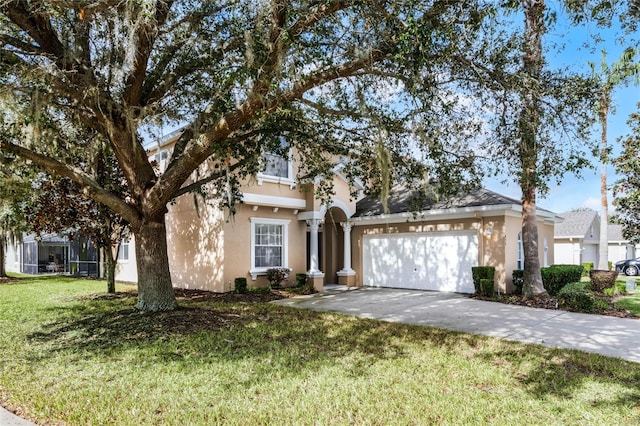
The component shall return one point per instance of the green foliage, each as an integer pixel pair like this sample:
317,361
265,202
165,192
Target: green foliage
577,297
518,280
588,266
259,290
627,188
301,279
276,276
486,287
557,276
618,288
479,273
240,285
610,265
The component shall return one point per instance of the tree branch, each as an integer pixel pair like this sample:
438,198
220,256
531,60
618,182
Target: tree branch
89,186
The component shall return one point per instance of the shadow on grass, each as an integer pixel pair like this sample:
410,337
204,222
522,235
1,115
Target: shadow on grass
557,372
297,341
107,325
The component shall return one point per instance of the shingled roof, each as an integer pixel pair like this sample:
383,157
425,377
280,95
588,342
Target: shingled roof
614,233
575,224
405,199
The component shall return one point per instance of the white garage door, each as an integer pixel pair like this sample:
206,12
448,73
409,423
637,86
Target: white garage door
438,261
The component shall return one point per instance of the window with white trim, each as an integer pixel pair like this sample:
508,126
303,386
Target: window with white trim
520,264
546,253
278,166
123,251
269,244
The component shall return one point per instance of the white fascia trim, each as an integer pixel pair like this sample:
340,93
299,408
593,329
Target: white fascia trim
261,178
273,201
455,213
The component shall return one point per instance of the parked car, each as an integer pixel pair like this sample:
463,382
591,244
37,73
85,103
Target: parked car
630,267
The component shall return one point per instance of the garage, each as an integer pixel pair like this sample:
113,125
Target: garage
439,261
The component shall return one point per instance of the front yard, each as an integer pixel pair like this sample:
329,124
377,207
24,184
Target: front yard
71,355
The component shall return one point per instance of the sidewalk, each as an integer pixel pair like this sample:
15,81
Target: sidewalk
610,336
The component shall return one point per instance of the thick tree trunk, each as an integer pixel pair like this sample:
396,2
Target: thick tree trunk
155,291
603,255
3,255
532,277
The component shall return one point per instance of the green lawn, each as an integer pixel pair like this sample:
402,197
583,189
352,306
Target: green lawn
630,302
70,356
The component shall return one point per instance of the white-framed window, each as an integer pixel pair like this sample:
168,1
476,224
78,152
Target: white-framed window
277,168
520,264
123,251
269,244
546,253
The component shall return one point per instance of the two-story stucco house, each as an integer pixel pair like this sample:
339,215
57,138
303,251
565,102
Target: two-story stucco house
349,241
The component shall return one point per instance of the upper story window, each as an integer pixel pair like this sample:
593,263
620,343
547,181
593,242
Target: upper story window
278,166
161,158
123,251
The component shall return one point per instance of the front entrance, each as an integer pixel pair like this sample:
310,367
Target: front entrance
333,244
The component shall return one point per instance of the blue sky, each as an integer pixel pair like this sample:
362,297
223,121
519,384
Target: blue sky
576,192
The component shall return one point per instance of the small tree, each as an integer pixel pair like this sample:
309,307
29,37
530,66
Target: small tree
607,79
627,189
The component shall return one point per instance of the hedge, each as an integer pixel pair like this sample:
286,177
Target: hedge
577,297
557,276
482,273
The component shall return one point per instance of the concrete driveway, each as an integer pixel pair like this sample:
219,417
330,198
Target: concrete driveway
615,337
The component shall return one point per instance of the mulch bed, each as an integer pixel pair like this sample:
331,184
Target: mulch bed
203,295
550,302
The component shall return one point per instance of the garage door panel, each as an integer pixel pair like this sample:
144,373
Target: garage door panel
439,261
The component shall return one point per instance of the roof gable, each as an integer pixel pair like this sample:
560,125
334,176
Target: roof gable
576,224
406,199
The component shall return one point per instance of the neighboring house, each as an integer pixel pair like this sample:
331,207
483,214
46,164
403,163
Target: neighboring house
52,253
577,238
281,224
619,247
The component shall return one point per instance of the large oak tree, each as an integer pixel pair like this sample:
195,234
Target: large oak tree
234,75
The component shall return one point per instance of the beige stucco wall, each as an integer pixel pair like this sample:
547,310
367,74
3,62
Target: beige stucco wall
513,226
194,240
237,245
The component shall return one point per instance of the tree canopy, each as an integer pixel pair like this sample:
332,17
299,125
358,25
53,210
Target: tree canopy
334,78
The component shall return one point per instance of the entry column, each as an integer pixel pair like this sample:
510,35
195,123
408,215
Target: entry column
314,274
347,276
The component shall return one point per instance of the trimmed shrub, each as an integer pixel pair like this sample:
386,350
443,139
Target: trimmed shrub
577,297
610,265
588,266
482,272
601,279
518,280
301,280
240,285
276,276
557,276
486,287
